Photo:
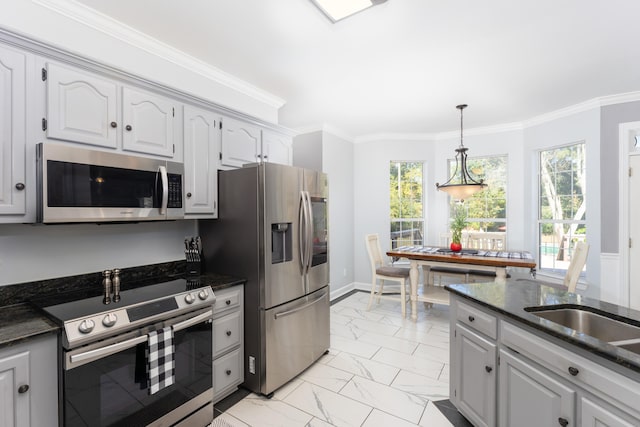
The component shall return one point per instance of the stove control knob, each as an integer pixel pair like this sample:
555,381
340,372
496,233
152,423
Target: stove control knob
86,326
109,320
189,298
203,295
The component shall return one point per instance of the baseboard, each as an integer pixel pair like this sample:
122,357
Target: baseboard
334,294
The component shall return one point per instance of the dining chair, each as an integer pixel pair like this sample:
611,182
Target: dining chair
381,272
578,260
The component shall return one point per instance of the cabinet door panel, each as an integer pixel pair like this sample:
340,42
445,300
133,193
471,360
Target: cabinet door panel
530,397
476,378
201,148
276,148
148,123
240,143
81,107
594,415
14,372
12,131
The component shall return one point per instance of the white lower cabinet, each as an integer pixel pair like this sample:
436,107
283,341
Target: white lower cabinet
475,388
28,383
539,381
228,341
531,398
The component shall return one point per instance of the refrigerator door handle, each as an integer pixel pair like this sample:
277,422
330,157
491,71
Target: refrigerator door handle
309,231
301,307
302,234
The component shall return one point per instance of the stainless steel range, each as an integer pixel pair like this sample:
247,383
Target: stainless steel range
108,347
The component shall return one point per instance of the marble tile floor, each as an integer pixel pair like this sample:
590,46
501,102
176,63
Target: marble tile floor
381,370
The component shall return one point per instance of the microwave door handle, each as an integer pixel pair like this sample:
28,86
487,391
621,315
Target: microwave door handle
162,170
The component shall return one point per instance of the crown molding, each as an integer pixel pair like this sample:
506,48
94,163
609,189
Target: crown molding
116,29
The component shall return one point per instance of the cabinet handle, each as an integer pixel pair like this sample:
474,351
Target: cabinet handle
128,127
188,195
573,371
228,302
488,368
20,186
563,422
228,333
265,157
114,125
23,388
471,318
228,372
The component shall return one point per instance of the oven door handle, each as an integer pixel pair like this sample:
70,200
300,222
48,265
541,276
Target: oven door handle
101,352
193,321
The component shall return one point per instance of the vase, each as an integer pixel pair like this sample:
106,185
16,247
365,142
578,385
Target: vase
455,246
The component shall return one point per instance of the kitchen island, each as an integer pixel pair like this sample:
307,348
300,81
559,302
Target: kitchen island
511,365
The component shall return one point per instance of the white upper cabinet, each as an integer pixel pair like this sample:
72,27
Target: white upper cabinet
148,123
201,148
12,131
277,148
81,107
87,108
240,143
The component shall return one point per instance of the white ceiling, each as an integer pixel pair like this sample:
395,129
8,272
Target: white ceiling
403,66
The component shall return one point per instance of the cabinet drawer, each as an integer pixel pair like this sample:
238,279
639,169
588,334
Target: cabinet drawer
477,319
226,301
226,333
227,371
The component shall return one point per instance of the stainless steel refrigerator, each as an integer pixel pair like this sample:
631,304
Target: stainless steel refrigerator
272,230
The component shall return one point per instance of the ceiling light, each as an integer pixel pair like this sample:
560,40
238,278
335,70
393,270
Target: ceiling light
461,185
340,9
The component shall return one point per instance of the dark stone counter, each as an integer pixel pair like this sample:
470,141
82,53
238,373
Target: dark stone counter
20,320
511,298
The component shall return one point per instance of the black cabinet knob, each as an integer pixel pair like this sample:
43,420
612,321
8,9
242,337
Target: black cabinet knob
563,422
488,368
20,186
228,302
471,318
23,388
228,372
573,371
128,127
188,195
114,125
228,333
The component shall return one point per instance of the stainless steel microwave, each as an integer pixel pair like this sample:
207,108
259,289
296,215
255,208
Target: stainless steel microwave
79,185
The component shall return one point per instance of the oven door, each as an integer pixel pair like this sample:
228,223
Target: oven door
106,384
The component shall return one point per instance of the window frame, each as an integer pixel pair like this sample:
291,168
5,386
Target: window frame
421,219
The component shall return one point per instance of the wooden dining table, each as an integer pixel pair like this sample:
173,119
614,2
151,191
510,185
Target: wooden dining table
433,256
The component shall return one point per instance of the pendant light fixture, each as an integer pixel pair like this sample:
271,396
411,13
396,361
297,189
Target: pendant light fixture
461,185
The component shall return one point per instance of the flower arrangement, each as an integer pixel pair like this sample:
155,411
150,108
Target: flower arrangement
458,223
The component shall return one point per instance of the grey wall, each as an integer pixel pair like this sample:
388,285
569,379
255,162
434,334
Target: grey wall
610,119
37,252
307,150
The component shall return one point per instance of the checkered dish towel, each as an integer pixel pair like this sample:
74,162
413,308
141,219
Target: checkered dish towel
161,365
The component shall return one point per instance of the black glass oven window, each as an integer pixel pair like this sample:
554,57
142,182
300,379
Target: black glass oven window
113,391
151,309
319,208
80,185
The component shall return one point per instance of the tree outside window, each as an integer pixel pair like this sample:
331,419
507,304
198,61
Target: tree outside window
406,203
487,209
562,205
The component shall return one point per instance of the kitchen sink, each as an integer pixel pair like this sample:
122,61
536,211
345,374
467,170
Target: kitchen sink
616,332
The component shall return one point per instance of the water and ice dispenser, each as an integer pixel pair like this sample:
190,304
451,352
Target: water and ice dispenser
281,242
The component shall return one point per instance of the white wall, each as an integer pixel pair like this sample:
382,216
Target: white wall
39,252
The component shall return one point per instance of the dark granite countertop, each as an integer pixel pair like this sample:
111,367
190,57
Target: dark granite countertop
22,321
511,298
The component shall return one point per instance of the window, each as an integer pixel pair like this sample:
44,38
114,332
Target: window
486,210
406,203
562,205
